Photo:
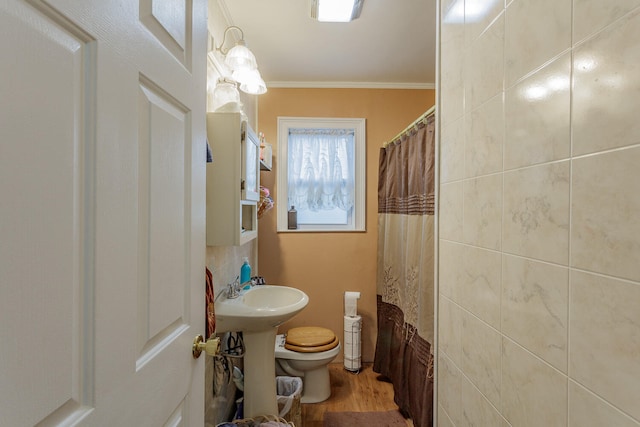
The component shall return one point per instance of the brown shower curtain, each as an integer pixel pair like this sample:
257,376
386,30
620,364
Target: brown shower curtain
405,269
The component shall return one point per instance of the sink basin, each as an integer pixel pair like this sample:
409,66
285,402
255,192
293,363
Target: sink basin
257,313
259,309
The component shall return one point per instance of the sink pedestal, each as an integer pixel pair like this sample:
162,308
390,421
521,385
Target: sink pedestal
257,313
260,373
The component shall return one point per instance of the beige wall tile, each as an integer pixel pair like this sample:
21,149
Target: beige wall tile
537,116
484,66
450,330
478,16
535,31
477,411
605,209
452,151
451,213
224,263
569,198
588,410
536,212
604,341
483,211
480,286
590,16
443,418
484,137
452,57
449,388
606,88
451,258
534,307
446,5
533,393
481,356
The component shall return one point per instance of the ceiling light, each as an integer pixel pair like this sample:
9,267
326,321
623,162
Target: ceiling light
240,57
250,81
336,10
226,96
242,64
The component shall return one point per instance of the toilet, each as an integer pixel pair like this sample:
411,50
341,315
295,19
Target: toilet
306,352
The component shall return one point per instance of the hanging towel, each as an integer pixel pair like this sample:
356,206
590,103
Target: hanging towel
210,326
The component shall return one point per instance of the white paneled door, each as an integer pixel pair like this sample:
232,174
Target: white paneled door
102,175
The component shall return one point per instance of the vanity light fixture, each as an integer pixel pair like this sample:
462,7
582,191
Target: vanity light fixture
250,81
336,10
226,96
242,64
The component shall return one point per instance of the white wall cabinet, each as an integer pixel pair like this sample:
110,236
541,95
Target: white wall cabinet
233,180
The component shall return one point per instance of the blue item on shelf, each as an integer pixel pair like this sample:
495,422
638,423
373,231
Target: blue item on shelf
245,271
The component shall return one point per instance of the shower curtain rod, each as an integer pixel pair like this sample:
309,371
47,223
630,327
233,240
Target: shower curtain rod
426,114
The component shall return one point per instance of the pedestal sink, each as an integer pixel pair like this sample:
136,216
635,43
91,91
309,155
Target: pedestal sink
257,313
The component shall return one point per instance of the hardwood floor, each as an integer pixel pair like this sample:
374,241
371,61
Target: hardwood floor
361,392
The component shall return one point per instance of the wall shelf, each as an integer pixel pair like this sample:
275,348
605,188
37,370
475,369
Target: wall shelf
233,181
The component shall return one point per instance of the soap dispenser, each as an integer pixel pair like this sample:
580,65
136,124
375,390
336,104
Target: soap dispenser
245,271
292,218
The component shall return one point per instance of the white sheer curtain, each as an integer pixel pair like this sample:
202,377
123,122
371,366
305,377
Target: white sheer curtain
321,167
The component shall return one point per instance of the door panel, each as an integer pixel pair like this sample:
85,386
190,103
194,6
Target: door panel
163,147
170,22
44,171
102,174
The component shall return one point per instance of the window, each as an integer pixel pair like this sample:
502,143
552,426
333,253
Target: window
321,172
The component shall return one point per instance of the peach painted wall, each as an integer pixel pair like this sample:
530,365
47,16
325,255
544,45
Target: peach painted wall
325,265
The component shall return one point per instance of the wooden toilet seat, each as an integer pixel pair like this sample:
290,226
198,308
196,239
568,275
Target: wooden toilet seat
310,339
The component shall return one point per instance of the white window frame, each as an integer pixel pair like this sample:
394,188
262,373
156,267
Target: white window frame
359,214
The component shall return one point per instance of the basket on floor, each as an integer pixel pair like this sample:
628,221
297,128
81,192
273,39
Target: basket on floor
295,413
289,392
259,419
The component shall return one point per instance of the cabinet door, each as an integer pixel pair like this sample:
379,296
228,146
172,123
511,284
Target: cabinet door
232,181
250,166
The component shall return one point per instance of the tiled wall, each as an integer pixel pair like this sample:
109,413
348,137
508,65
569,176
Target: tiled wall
539,318
224,262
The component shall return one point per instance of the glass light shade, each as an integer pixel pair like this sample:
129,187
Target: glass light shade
226,96
250,81
254,88
240,57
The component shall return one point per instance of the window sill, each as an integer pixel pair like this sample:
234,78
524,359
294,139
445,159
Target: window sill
315,230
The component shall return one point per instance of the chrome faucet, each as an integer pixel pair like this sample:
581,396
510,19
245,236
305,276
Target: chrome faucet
233,289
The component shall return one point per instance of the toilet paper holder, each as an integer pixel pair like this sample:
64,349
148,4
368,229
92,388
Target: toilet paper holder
351,303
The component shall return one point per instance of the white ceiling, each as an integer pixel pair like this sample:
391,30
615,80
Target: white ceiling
391,44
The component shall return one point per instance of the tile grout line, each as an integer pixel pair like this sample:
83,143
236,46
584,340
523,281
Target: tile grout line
569,275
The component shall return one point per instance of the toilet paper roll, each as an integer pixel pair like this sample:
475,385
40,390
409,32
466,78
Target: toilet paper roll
352,352
353,323
351,303
351,342
352,329
353,364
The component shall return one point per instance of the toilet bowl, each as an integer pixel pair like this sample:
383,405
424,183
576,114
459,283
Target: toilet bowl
309,360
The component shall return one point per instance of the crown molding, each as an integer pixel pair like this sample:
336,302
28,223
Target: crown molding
349,85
